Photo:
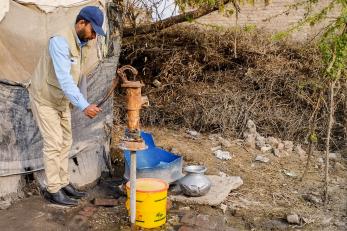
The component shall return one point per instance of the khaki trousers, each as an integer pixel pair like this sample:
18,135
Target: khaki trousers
55,128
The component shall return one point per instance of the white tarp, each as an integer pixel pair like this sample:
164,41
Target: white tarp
46,6
50,5
24,33
4,7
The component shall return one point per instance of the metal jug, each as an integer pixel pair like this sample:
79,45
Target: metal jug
195,183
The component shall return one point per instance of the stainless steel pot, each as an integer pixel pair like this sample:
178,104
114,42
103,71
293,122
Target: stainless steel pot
195,183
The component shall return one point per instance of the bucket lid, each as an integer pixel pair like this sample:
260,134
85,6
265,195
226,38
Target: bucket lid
149,185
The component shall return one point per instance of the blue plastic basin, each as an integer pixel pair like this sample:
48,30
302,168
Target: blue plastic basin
154,162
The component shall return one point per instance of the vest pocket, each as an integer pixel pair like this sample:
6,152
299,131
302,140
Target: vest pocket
56,95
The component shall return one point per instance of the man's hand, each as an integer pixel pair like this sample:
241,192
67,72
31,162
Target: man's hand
92,110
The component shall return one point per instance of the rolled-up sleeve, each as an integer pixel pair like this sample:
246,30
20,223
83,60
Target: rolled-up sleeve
59,52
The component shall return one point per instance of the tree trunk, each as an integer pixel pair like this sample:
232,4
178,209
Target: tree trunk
344,148
144,29
327,150
312,135
115,23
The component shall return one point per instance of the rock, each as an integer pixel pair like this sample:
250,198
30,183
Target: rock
260,144
174,150
174,220
222,174
280,146
266,148
224,142
157,83
175,189
169,228
232,210
213,149
186,208
251,127
213,137
293,219
262,159
223,207
222,155
168,204
274,225
4,204
250,140
276,152
312,199
289,173
78,222
298,149
260,141
29,194
306,220
87,211
238,141
272,141
186,228
288,145
209,222
220,189
326,221
189,218
105,202
333,156
193,133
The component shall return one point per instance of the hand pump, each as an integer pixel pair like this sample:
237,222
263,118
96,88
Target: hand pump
132,140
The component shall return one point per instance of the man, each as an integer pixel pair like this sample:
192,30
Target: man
53,87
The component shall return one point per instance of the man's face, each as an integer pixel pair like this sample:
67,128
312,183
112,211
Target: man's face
85,31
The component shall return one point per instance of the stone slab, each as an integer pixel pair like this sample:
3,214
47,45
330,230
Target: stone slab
220,189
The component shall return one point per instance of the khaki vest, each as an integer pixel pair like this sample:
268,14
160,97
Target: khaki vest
44,86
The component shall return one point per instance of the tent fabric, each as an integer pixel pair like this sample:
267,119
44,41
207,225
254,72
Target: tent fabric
51,5
4,7
46,6
20,139
23,34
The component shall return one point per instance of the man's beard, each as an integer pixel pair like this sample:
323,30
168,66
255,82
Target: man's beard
82,36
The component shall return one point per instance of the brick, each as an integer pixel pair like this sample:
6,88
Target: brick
189,218
87,211
209,222
186,228
105,202
193,228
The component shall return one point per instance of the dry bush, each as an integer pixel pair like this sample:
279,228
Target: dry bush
206,88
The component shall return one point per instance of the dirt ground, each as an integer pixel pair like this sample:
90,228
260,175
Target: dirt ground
263,202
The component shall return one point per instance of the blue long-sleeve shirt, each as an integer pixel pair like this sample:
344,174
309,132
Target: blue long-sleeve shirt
59,52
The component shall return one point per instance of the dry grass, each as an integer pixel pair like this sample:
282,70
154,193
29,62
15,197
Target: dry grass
206,88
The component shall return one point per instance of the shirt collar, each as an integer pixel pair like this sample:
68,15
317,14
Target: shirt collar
81,44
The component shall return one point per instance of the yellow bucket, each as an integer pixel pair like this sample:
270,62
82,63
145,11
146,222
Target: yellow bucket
151,194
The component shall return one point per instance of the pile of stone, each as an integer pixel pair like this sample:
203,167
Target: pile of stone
222,144
270,144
